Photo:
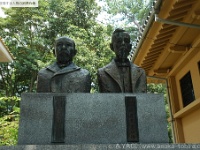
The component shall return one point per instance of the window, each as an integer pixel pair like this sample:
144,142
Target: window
187,89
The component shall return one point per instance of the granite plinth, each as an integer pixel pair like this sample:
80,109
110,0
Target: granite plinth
91,118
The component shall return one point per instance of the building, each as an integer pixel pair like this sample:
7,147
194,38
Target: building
5,55
169,49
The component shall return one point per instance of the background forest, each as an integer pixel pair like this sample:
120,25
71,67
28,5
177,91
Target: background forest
29,33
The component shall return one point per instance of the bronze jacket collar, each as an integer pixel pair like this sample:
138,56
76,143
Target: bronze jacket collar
56,70
113,71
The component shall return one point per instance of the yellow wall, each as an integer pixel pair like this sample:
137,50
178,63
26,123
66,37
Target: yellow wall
191,127
190,115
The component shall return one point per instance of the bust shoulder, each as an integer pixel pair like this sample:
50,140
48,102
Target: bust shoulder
84,71
43,70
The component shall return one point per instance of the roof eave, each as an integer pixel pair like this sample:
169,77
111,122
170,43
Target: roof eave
146,29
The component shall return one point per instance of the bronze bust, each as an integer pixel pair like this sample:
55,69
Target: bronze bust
120,75
63,75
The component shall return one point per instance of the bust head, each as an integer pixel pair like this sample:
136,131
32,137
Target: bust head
120,44
64,50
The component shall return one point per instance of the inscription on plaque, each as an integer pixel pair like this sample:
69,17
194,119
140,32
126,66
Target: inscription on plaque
131,119
58,128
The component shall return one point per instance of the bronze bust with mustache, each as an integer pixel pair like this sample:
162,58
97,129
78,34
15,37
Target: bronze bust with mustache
63,76
120,75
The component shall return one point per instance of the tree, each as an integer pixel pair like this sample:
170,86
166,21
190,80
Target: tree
22,31
30,34
131,15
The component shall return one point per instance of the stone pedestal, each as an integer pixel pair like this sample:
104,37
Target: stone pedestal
91,118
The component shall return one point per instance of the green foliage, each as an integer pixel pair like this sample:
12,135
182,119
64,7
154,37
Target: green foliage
9,120
156,88
93,51
131,13
23,32
30,34
9,105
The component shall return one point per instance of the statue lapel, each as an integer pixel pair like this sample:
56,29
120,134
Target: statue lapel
135,74
56,70
112,70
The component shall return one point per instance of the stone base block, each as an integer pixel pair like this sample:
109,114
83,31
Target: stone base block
91,118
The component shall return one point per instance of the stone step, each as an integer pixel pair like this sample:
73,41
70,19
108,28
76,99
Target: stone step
104,147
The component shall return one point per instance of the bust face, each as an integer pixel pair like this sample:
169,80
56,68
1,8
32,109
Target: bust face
121,45
64,50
